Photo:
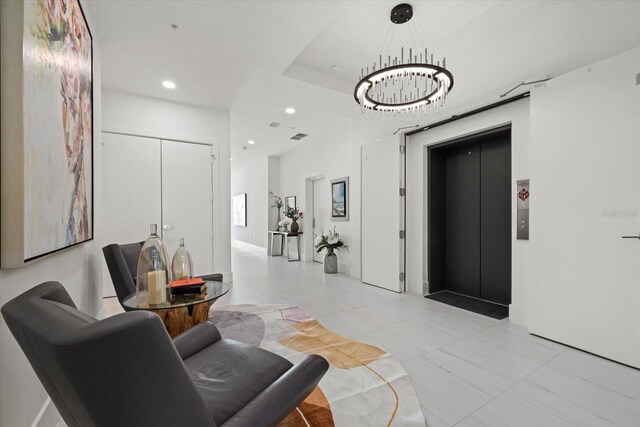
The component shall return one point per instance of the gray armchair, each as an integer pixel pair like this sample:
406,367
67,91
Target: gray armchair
126,371
122,262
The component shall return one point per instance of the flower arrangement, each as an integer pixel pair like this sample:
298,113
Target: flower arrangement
330,241
293,213
278,204
277,201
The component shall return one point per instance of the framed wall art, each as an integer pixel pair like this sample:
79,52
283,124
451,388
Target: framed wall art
290,202
46,201
240,210
340,199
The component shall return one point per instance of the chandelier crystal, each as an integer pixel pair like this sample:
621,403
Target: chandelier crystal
407,84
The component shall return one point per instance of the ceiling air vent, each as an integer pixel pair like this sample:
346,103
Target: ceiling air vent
274,124
298,136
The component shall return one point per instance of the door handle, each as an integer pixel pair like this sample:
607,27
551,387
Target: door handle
168,227
632,237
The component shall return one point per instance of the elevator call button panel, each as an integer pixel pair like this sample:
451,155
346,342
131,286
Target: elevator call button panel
522,225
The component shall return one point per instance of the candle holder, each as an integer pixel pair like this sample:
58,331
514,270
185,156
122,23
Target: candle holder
153,275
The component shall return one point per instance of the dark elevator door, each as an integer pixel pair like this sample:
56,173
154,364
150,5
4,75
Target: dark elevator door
462,234
495,221
478,220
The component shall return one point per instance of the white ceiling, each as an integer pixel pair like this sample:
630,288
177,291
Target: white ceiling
257,57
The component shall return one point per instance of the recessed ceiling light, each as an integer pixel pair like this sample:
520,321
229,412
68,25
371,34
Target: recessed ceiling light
169,84
231,158
290,110
251,141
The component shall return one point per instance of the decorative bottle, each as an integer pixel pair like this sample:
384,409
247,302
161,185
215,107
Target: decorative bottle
182,265
153,276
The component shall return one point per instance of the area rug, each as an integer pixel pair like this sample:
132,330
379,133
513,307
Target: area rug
364,386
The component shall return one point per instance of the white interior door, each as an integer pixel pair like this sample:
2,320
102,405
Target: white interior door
321,205
585,195
131,191
187,201
382,248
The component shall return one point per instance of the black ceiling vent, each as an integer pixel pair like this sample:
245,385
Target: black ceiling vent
274,124
298,136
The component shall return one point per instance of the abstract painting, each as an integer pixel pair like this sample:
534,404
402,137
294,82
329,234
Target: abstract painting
240,210
57,127
340,199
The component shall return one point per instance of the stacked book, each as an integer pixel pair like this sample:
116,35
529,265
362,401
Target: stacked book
188,286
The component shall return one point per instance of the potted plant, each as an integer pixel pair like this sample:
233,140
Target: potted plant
330,241
294,215
278,204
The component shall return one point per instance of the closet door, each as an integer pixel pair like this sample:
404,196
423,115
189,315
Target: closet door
131,191
462,226
187,201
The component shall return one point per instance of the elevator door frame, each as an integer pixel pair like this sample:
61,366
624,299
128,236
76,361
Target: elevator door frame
436,197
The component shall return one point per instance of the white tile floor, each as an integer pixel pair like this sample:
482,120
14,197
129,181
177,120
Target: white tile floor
467,370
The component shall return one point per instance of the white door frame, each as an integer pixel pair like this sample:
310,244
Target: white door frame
307,238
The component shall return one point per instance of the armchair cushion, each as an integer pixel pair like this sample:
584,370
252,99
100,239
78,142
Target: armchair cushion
230,374
290,389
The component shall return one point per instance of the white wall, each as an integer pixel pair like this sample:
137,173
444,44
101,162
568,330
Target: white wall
273,171
517,114
251,176
331,158
139,115
22,397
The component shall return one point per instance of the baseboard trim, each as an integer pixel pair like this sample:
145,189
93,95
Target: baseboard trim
249,246
518,314
48,415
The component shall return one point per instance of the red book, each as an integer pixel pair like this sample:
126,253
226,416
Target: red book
187,282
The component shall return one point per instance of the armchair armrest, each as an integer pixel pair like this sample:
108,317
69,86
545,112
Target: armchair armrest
281,398
215,277
196,339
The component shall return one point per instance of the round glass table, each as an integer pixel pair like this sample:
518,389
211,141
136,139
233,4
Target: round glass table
182,311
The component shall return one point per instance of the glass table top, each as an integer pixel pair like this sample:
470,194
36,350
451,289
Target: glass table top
214,290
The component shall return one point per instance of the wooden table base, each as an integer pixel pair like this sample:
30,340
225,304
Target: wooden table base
178,320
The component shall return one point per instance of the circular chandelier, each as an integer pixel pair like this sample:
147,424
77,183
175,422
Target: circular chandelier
406,84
